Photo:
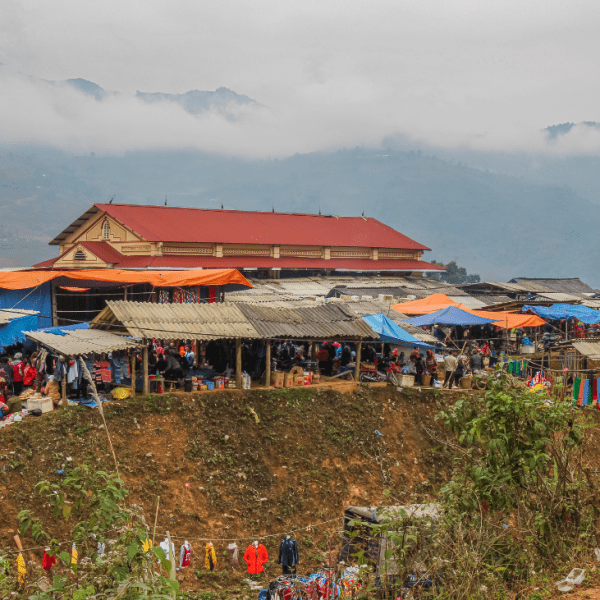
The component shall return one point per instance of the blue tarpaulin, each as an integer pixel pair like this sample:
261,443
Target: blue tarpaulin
31,299
566,311
449,316
391,332
12,332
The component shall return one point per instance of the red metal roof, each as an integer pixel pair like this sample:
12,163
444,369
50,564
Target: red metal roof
234,262
103,250
196,225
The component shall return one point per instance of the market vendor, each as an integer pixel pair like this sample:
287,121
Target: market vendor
12,405
173,371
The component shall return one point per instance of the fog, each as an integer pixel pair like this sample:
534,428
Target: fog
325,75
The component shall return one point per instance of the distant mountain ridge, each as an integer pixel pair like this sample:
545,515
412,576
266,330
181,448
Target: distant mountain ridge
554,131
194,102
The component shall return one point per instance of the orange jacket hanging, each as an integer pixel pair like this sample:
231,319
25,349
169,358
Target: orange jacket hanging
255,558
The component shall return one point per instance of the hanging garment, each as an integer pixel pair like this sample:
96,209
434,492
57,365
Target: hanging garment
21,570
288,553
586,394
29,375
184,555
210,559
74,555
165,546
255,558
48,561
233,554
576,388
105,371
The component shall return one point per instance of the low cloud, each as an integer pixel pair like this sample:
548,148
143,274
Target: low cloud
340,112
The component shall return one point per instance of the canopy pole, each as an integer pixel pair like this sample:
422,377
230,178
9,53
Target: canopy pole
133,374
146,388
357,367
238,363
268,365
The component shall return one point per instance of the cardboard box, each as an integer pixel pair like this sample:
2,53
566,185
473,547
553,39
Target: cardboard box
277,379
316,377
202,387
289,380
298,380
308,377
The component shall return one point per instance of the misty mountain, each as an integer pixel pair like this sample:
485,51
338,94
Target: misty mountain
495,225
89,88
196,102
554,131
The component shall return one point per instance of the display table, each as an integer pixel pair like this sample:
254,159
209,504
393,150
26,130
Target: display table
156,381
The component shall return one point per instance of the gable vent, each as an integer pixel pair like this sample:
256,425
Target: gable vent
79,255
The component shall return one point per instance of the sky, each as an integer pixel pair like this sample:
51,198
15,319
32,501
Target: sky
326,74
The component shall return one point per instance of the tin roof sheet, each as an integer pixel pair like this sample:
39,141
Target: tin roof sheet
82,341
589,349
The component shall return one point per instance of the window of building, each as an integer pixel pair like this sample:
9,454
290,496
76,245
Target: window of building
106,230
79,255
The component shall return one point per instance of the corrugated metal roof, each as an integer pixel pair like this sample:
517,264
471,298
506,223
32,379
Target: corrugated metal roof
560,296
589,349
319,322
10,314
169,224
232,320
572,285
469,301
173,321
82,341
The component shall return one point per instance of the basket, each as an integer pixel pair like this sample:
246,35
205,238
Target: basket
407,380
297,370
466,383
426,380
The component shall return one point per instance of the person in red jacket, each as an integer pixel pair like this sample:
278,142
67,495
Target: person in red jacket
29,373
256,556
18,368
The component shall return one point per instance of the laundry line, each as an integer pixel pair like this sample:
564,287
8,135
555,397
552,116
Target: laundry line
254,537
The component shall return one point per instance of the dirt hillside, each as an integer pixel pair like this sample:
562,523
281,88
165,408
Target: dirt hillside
232,464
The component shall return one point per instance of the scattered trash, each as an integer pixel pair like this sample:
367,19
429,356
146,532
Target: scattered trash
149,455
399,389
597,553
60,471
187,485
253,413
226,438
68,459
378,433
575,577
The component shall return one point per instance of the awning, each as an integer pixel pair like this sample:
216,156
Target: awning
508,320
449,316
20,280
556,312
390,332
427,305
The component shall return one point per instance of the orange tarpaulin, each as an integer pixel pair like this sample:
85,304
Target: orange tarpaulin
427,305
20,280
506,320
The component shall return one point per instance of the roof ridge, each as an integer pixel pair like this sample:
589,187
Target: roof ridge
234,210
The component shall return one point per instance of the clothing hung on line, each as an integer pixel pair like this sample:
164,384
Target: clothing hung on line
288,553
233,554
184,555
255,558
210,559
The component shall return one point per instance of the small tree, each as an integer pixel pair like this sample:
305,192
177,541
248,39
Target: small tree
454,274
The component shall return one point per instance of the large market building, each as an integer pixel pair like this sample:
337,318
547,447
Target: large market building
271,245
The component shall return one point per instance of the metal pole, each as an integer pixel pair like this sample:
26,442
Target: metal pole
268,365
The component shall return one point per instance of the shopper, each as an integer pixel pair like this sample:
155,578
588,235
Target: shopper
18,369
431,365
419,368
450,364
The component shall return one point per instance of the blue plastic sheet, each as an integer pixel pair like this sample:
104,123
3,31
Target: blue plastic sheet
449,316
12,332
391,332
31,299
586,315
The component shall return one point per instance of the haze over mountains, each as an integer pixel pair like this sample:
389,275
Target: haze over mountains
500,214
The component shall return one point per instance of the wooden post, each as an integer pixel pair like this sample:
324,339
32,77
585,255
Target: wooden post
133,374
63,384
53,303
125,293
155,520
357,367
238,363
268,365
146,389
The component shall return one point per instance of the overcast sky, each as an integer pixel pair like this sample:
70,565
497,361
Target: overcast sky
327,73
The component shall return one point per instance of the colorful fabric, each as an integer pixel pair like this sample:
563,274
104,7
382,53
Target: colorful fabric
576,388
21,570
586,393
210,559
255,558
48,561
